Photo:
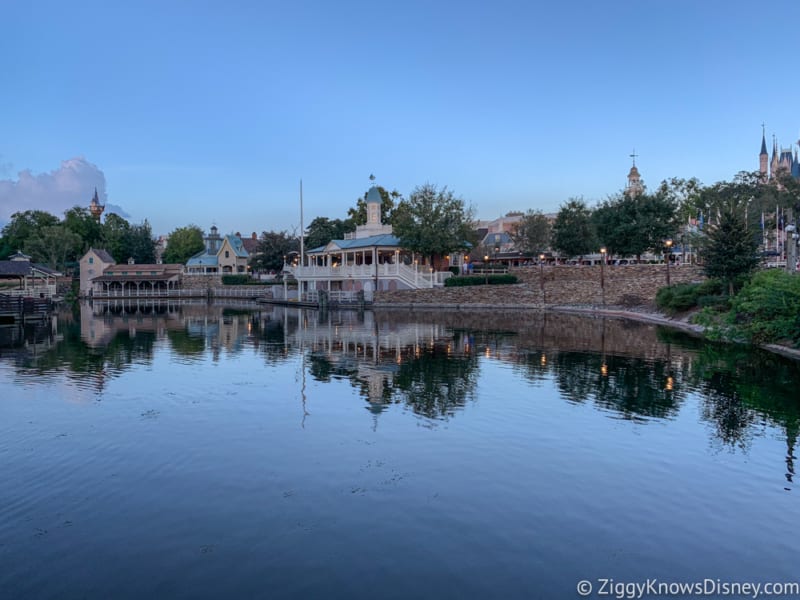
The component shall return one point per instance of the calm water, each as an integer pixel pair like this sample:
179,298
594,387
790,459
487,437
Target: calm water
201,452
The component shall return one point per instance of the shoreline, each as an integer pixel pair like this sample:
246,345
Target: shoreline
643,315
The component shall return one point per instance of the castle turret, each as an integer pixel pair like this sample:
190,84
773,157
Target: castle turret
95,207
763,157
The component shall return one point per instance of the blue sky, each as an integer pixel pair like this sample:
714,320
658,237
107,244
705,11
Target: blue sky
211,112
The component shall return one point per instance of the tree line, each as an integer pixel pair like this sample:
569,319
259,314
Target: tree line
59,243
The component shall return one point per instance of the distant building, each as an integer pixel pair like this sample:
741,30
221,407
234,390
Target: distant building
92,264
222,255
368,260
783,161
634,186
24,278
95,207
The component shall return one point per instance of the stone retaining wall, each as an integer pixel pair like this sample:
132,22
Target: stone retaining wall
628,286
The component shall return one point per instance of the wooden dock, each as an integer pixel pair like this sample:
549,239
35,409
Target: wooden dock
21,310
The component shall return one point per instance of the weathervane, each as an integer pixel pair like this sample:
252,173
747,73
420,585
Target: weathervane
633,156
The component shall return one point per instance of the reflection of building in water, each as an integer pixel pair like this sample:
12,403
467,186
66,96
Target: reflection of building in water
216,325
101,322
355,345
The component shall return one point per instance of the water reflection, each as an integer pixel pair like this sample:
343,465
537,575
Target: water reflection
430,363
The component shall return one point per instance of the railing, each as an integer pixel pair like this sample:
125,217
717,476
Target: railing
337,297
247,291
40,291
413,276
174,293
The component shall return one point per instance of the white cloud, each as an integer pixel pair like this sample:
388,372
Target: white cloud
72,184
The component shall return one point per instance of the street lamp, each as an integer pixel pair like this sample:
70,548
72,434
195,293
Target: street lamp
668,246
485,269
541,277
603,273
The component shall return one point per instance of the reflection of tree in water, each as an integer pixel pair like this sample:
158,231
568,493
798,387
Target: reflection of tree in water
436,383
184,343
742,389
633,387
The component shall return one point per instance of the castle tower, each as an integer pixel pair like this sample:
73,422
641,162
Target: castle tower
763,157
95,207
773,167
634,187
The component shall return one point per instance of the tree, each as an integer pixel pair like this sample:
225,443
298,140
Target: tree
273,247
115,232
124,241
432,221
729,250
630,225
358,215
573,230
685,194
53,245
183,243
532,233
322,230
21,228
142,246
81,222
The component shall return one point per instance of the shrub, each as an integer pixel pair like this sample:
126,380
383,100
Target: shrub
685,296
767,310
503,279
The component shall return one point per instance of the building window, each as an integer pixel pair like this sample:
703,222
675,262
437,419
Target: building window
91,260
227,254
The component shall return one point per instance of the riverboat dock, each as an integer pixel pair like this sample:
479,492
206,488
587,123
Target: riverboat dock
20,310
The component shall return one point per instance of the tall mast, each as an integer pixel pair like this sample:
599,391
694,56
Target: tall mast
302,229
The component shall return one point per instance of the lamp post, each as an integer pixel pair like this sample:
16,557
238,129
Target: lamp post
485,269
668,246
541,277
603,273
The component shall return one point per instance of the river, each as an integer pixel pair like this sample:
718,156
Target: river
202,451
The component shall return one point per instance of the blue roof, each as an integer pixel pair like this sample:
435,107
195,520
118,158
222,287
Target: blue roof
238,247
202,260
373,195
385,239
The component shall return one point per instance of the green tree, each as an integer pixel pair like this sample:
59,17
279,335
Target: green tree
183,243
322,230
273,246
21,228
81,222
124,241
433,221
630,225
532,233
729,251
142,246
358,215
53,245
573,230
685,194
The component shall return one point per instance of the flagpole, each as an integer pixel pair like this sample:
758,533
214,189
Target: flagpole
302,229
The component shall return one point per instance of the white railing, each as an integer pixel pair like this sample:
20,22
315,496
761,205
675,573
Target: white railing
175,293
337,297
413,276
46,291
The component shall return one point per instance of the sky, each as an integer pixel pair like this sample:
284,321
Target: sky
210,112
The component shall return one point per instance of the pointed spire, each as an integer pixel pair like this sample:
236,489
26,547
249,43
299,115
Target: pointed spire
763,140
